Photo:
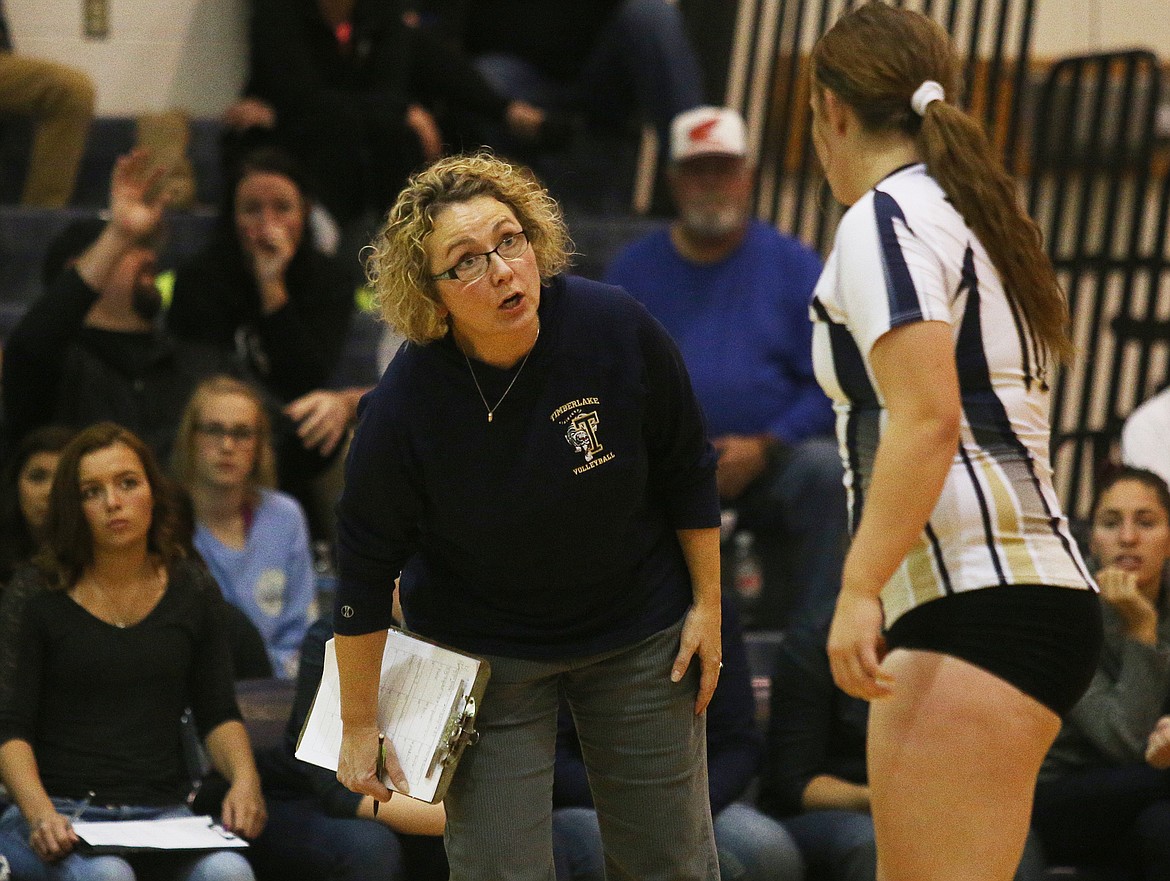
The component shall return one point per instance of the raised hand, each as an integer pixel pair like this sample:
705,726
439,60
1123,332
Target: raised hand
137,201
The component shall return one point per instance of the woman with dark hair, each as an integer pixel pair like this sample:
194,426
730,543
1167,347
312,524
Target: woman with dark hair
262,291
938,317
121,635
24,495
1104,794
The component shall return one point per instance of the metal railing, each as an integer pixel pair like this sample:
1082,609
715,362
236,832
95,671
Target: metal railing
1103,202
768,82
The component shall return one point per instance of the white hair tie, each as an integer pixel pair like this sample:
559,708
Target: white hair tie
924,94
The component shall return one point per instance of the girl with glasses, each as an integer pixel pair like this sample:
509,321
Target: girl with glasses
253,538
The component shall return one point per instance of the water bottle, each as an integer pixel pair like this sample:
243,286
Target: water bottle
326,573
747,571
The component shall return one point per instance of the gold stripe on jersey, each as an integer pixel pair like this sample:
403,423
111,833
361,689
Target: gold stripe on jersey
1010,536
924,579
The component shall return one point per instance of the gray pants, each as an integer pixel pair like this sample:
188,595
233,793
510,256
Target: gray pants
644,747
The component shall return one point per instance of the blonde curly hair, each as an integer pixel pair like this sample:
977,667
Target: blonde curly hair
396,260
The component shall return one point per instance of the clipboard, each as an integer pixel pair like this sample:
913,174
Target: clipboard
428,697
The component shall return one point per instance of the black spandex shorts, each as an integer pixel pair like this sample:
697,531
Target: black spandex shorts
1043,640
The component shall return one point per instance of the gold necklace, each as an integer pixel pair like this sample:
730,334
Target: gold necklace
491,410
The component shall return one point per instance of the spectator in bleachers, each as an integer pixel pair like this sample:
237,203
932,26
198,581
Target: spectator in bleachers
254,539
318,829
261,292
88,349
60,99
751,846
345,85
814,776
1143,438
121,635
605,59
24,495
1103,796
24,514
734,293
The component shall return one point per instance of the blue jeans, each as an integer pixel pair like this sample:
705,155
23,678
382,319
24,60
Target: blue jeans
1116,816
214,865
797,512
752,847
839,846
642,60
300,839
21,863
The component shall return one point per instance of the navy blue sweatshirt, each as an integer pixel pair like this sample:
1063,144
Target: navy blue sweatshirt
550,531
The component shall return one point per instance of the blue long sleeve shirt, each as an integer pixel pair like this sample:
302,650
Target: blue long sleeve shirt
548,532
270,579
742,326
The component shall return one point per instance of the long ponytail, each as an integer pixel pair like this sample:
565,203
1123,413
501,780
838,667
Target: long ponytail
874,58
959,157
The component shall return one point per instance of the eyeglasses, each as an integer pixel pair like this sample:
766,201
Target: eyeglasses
217,431
474,266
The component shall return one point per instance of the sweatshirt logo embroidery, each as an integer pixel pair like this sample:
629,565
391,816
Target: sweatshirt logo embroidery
581,432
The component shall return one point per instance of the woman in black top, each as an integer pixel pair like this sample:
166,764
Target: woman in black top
123,633
261,291
535,465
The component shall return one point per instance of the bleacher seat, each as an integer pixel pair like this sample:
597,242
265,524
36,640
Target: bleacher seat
109,137
25,234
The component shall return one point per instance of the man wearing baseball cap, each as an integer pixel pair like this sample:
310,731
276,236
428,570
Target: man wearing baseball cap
734,294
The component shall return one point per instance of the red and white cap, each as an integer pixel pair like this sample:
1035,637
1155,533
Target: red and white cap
707,131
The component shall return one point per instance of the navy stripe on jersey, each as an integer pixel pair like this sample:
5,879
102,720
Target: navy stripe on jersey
989,422
848,365
936,546
904,305
856,490
849,368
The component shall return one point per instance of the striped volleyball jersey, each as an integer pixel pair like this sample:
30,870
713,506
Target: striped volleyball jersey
902,254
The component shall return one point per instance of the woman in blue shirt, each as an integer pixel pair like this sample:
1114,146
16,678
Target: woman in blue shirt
254,539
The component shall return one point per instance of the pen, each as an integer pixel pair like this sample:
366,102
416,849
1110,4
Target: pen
380,767
81,806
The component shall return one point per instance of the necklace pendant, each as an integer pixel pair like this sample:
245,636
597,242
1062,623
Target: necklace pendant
489,415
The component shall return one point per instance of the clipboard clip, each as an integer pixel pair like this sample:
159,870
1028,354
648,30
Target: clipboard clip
458,734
